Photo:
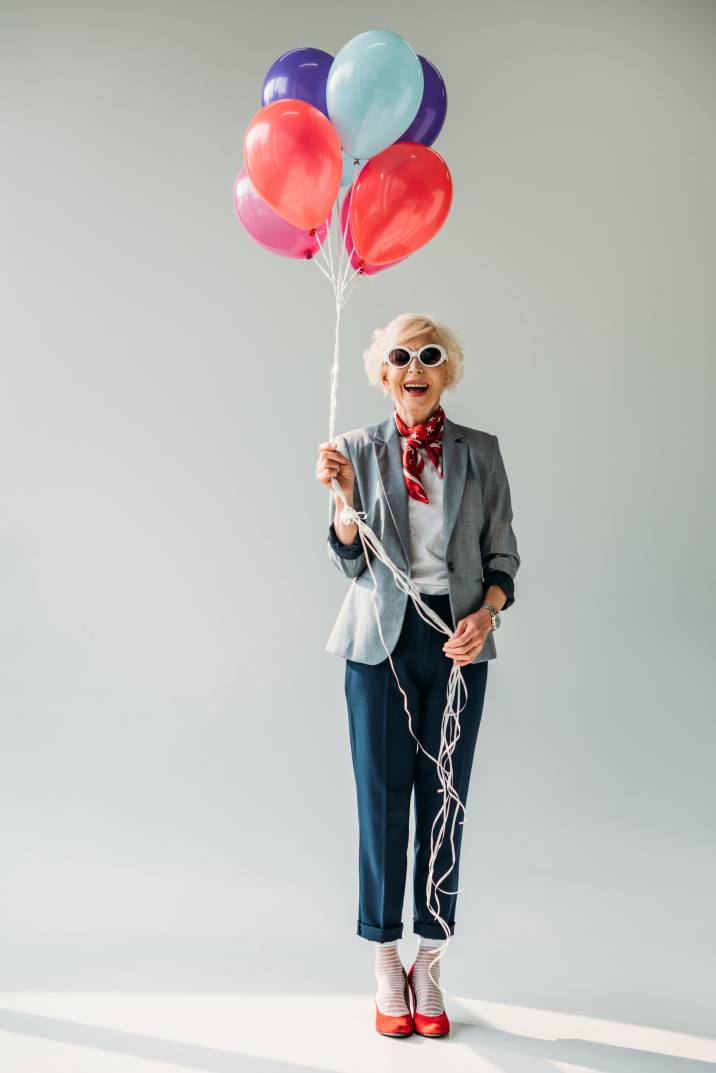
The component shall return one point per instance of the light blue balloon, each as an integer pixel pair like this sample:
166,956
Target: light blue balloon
349,169
373,92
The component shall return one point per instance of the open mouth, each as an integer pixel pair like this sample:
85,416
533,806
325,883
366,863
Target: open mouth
416,387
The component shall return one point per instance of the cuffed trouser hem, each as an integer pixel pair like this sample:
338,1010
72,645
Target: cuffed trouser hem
379,935
432,931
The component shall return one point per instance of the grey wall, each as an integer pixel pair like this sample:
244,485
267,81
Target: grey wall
176,782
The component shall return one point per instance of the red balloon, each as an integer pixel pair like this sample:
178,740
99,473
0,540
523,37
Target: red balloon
356,262
401,200
292,153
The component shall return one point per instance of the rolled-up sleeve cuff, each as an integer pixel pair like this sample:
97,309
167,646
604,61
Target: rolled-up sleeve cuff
346,551
506,583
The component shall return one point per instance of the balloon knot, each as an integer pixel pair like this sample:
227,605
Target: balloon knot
349,514
312,232
309,255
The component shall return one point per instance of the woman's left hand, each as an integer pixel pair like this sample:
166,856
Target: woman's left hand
469,637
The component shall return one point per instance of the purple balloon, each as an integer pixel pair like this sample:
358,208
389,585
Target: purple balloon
430,116
268,228
301,73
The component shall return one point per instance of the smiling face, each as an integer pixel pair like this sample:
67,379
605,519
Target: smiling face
417,405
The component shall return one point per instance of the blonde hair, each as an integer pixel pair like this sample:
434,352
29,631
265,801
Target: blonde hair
404,327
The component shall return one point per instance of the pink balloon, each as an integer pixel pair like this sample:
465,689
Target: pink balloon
268,228
368,270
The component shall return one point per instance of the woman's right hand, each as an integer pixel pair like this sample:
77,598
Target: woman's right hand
331,463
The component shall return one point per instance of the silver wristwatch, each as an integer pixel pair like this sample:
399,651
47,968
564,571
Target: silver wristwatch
495,615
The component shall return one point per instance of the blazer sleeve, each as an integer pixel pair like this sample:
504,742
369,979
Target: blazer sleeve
348,558
498,544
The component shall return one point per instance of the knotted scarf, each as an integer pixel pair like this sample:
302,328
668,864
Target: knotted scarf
428,435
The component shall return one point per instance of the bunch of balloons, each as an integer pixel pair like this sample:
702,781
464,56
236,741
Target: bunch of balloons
364,122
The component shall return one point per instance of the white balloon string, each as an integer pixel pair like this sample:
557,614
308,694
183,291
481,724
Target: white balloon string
329,244
347,267
334,373
343,272
349,260
350,287
343,284
358,272
450,725
340,235
318,264
320,252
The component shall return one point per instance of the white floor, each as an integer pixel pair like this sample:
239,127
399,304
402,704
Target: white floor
106,1032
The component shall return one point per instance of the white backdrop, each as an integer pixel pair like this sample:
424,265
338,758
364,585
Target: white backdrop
175,776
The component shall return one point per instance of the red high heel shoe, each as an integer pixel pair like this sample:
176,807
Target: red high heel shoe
423,1024
395,1025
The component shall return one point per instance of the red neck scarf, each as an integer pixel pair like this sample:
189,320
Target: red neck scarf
429,435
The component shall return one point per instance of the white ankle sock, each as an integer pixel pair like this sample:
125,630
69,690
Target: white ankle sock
390,996
428,997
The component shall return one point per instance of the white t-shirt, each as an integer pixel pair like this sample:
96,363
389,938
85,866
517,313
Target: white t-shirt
427,547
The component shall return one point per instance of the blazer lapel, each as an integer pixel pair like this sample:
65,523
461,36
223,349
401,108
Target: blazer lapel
386,444
454,475
387,447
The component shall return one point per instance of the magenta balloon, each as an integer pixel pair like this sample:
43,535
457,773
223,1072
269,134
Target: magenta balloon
268,228
368,270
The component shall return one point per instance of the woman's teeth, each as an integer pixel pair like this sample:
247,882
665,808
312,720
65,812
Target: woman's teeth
416,388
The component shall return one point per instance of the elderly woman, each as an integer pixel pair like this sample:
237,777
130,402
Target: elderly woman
437,496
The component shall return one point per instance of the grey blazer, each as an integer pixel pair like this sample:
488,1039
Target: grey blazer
480,545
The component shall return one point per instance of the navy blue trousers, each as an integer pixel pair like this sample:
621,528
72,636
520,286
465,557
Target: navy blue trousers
389,767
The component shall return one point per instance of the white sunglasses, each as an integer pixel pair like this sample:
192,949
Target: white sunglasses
430,355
